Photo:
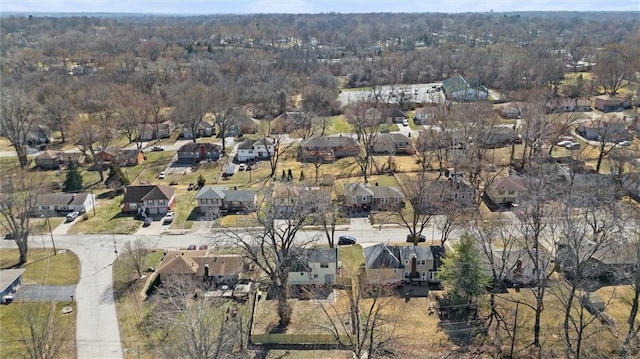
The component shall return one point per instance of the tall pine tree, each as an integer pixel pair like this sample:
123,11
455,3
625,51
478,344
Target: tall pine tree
73,182
462,272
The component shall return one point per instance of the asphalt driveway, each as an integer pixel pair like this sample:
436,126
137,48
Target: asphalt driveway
49,293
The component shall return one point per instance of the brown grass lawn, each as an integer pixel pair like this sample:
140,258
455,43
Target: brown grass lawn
13,319
130,305
308,354
43,267
108,219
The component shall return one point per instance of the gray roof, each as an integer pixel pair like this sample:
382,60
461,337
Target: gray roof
248,144
135,194
380,256
313,255
386,192
356,189
421,252
391,138
211,192
7,276
61,199
330,142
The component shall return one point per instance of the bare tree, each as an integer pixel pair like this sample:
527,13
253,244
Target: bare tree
92,131
59,112
193,326
367,325
192,103
225,108
631,337
272,246
417,192
45,335
18,115
328,214
18,196
135,253
367,125
612,70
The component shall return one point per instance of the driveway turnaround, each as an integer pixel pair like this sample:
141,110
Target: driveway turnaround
45,293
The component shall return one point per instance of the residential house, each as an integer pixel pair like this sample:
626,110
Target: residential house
71,156
587,182
565,104
148,199
328,148
287,198
215,268
289,121
358,196
427,115
48,160
53,203
10,280
204,129
613,262
222,200
609,128
511,110
373,115
606,103
130,157
497,136
420,263
38,134
382,266
452,192
314,266
191,153
255,150
457,88
515,267
104,158
394,115
148,131
507,190
402,264
392,143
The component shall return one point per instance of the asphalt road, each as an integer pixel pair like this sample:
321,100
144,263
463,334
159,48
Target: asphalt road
38,293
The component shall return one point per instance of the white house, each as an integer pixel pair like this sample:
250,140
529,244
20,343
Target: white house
252,150
315,266
64,202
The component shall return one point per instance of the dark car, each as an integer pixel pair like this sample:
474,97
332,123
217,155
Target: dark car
421,238
344,240
147,221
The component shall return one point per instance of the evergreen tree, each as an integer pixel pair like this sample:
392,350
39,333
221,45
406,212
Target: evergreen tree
462,273
301,176
284,176
73,181
289,175
116,177
201,181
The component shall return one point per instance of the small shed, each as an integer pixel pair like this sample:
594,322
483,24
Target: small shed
10,279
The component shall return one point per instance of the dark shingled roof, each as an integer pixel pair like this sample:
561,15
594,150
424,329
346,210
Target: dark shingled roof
147,192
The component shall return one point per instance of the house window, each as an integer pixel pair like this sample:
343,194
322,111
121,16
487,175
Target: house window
422,262
432,275
406,274
324,265
315,276
301,273
512,192
424,275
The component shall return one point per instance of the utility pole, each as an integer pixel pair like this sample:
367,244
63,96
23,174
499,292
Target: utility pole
115,248
515,326
55,252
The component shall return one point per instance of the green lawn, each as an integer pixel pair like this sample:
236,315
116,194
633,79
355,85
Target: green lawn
43,267
13,319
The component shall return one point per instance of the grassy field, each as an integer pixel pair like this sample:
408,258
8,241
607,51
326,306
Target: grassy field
108,219
130,305
43,267
14,326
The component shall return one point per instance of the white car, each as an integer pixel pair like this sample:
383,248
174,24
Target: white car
573,146
162,175
169,217
624,143
405,122
564,143
242,167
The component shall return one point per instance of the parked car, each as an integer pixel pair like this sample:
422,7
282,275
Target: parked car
344,240
405,122
157,148
564,143
192,247
573,146
624,143
242,167
169,217
162,175
421,238
147,221
72,216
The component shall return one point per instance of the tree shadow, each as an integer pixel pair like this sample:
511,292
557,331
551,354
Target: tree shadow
460,323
